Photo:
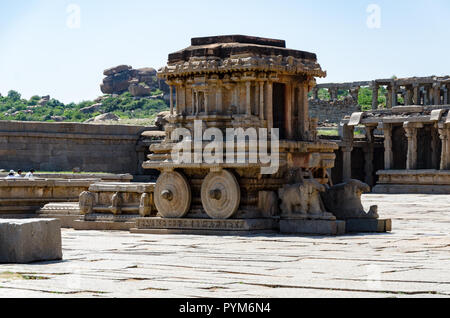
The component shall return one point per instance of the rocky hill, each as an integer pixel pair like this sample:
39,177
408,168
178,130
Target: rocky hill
132,96
139,82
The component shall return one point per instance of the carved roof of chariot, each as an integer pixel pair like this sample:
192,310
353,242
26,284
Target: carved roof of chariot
240,53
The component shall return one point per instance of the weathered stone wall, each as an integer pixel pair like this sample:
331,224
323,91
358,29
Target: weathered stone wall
332,111
64,146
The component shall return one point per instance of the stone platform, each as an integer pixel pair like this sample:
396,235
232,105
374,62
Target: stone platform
368,226
312,227
66,212
30,240
22,196
413,181
105,222
205,226
412,261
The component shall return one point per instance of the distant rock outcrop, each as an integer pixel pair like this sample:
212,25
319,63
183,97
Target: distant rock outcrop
139,82
103,118
91,109
44,100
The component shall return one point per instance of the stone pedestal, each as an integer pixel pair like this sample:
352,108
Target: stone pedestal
205,226
368,226
312,227
105,222
30,240
413,181
66,212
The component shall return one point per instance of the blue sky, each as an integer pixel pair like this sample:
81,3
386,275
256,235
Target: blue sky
40,54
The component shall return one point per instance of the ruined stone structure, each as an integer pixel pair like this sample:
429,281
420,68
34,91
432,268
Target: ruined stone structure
65,146
423,91
242,82
416,148
115,205
334,109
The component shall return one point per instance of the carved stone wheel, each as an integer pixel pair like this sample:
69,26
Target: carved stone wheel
172,195
221,195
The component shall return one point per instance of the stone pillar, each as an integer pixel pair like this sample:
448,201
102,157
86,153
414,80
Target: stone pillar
408,96
316,93
346,163
347,138
354,93
368,156
437,94
446,95
171,99
206,100
416,89
435,156
193,102
394,95
428,96
184,100
177,99
303,111
388,154
389,98
289,110
261,100
248,101
374,95
445,155
411,134
219,100
333,93
269,108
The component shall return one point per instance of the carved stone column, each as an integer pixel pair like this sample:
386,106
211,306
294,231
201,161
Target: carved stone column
394,95
193,102
303,110
248,101
171,99
346,163
261,100
206,101
437,94
388,154
446,95
435,156
408,96
369,155
333,93
269,108
416,89
445,155
374,95
316,93
411,134
289,110
347,138
389,98
219,99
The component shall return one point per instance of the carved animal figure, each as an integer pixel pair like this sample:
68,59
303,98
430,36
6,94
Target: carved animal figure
344,201
86,202
303,200
268,203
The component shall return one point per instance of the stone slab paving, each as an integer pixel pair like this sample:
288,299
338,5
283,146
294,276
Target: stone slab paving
412,261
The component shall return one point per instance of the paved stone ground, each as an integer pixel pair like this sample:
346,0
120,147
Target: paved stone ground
412,261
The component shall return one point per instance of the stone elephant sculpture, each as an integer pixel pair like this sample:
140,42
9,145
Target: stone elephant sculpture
303,200
344,201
